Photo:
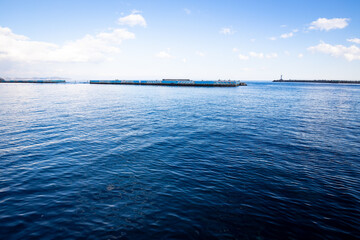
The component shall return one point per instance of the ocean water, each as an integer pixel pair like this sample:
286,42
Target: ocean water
266,161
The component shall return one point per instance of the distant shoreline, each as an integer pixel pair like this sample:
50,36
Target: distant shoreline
319,81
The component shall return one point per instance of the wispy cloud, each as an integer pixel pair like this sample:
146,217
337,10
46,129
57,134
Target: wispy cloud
187,11
349,53
329,24
300,55
257,55
135,18
271,55
243,57
227,31
354,40
201,54
97,47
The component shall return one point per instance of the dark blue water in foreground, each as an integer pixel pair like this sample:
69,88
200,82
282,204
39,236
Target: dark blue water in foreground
266,161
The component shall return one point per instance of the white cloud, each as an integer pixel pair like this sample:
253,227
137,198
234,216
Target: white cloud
14,47
227,31
252,40
271,55
235,49
6,32
283,26
184,60
287,35
187,11
163,54
243,57
354,40
256,55
201,54
115,36
132,20
349,53
328,24
300,55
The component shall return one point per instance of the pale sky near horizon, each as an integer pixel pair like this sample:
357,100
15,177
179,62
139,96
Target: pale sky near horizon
245,40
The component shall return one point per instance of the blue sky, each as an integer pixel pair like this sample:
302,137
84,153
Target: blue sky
246,40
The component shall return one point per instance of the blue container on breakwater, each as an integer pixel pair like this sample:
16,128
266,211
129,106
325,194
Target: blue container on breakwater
173,82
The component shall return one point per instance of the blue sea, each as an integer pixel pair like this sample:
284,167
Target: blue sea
265,161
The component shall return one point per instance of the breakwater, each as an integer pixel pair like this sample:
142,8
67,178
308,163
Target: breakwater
173,82
320,81
32,81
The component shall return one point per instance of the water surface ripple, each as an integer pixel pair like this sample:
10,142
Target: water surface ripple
266,161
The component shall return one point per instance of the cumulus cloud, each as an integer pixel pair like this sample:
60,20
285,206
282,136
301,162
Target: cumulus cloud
349,53
287,35
132,20
272,38
6,32
354,40
227,31
14,47
329,24
164,54
300,55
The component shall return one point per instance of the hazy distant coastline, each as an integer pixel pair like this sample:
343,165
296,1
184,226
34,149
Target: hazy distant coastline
319,81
